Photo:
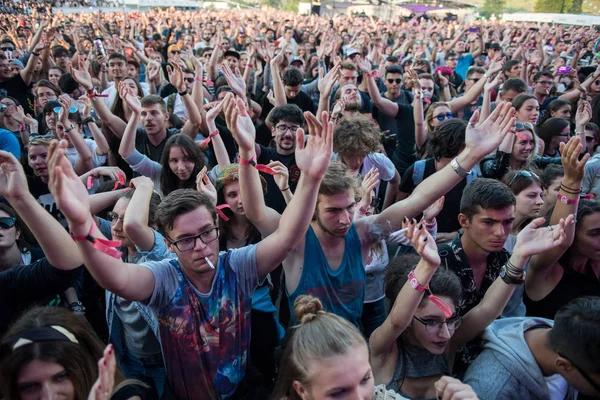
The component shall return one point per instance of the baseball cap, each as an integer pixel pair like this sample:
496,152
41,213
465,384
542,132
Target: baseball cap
297,59
16,62
351,51
233,53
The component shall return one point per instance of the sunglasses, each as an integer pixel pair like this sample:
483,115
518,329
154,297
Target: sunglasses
597,82
397,80
72,110
549,83
8,49
442,117
589,138
7,222
526,174
175,52
189,80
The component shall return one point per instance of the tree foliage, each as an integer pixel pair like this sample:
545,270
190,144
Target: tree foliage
492,7
559,6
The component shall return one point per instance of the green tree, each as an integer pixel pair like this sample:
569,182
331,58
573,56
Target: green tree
576,7
492,7
557,6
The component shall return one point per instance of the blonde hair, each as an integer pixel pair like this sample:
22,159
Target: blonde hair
320,335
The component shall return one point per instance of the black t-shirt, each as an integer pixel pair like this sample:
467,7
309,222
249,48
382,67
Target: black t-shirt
448,218
143,145
42,194
26,285
16,87
302,100
274,198
404,125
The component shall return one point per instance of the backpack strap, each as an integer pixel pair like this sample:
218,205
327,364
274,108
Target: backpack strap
418,172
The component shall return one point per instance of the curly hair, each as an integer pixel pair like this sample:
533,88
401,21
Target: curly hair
447,140
355,136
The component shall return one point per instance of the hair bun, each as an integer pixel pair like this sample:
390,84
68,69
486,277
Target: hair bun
306,308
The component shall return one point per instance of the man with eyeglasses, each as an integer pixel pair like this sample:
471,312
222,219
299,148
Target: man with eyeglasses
203,297
284,122
544,81
591,180
537,358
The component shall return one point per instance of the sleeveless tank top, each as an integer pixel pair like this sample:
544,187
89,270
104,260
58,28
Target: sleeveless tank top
571,286
341,291
416,362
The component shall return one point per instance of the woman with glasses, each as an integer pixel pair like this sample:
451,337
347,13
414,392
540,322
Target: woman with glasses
132,326
417,343
327,357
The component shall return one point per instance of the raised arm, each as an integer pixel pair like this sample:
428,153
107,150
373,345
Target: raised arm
27,72
265,219
59,248
325,86
218,146
387,106
127,145
545,272
480,140
278,89
461,102
192,125
135,223
533,239
130,281
102,147
383,339
83,77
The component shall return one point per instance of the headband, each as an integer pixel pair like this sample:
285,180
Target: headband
52,333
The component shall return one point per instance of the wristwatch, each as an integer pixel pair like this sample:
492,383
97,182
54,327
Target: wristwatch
509,280
77,307
458,169
414,283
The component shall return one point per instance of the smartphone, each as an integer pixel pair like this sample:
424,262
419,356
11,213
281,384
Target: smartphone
474,30
534,29
564,70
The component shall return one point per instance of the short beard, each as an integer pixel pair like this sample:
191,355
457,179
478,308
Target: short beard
353,107
324,229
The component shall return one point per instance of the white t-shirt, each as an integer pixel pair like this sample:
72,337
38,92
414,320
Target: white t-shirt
386,167
557,386
97,160
113,93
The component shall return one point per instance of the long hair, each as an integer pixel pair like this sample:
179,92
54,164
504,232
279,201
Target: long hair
168,180
26,240
79,359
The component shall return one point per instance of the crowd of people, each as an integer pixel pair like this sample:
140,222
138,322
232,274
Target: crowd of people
264,205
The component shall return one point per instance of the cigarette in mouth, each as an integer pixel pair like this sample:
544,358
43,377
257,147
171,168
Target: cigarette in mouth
212,266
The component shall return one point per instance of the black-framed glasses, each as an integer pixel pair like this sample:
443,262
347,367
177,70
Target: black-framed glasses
524,125
433,326
442,117
397,80
546,83
594,384
589,138
114,218
7,222
175,52
188,243
284,128
8,49
526,174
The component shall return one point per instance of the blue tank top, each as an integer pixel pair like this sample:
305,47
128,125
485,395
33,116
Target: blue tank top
341,291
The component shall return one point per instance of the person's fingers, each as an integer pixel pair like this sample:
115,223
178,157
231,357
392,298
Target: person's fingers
300,138
536,223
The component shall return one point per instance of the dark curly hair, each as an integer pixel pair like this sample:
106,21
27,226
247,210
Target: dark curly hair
447,140
355,136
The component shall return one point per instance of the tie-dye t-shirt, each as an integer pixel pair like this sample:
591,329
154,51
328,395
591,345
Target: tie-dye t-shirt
205,337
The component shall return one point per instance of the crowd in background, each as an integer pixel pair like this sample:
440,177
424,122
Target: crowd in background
257,204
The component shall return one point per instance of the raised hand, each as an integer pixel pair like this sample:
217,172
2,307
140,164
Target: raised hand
68,191
451,388
338,107
314,157
105,384
112,173
235,81
433,210
82,76
132,101
153,72
364,65
368,185
13,182
214,111
65,104
535,238
327,82
483,138
141,181
569,157
176,77
204,185
496,65
282,174
239,122
584,114
422,242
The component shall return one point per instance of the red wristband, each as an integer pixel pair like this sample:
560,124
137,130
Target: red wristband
206,141
414,283
373,74
221,213
104,245
92,93
259,167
